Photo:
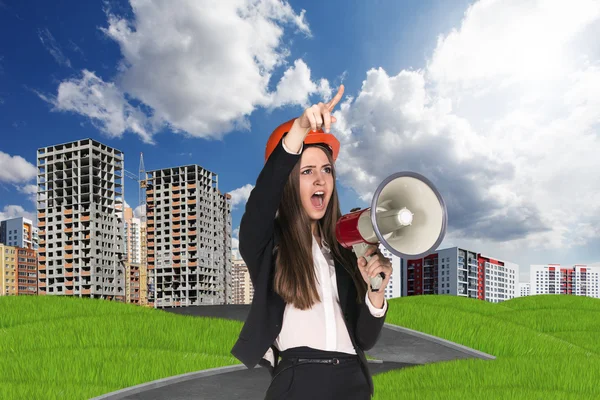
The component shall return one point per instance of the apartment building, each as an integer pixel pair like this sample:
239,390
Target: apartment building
394,286
136,286
8,270
133,237
80,211
524,289
243,290
461,272
27,272
579,280
189,238
19,232
136,269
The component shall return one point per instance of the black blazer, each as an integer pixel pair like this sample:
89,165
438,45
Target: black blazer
258,236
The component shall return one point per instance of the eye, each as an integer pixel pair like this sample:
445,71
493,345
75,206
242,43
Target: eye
306,170
328,170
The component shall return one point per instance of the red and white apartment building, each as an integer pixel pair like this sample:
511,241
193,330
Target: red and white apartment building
579,280
461,272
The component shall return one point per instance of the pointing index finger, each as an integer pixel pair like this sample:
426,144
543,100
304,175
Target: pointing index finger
332,103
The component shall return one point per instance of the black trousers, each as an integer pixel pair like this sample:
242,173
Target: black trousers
336,376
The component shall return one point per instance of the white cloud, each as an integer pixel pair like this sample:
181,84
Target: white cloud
15,169
104,103
201,68
30,190
235,244
15,211
240,195
50,43
504,120
139,211
296,86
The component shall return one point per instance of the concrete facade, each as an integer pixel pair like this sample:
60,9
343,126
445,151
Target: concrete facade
189,238
80,220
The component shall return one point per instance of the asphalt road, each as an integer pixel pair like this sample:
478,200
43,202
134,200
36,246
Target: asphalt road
397,348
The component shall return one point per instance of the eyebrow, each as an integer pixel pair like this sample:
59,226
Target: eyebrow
314,166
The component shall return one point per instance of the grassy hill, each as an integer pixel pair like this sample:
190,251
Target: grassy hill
72,348
545,346
55,347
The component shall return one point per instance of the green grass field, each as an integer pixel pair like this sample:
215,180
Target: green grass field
545,347
71,348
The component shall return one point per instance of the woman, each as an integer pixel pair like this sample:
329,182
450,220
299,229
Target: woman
311,304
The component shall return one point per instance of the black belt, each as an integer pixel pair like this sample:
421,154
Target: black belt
290,362
332,361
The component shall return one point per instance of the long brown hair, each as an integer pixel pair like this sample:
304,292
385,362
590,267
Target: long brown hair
295,279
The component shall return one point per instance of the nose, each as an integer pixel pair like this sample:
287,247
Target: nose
319,179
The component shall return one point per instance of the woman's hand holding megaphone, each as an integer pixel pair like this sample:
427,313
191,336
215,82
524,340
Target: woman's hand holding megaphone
377,264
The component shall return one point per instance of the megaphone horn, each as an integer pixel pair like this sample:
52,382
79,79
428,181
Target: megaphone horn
407,215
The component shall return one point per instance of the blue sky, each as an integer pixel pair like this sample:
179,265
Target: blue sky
445,104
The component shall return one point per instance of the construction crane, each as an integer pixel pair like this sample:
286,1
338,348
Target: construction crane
142,183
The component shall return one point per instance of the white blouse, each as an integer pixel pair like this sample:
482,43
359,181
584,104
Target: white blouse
322,326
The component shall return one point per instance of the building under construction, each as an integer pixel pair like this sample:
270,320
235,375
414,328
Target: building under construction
189,238
80,206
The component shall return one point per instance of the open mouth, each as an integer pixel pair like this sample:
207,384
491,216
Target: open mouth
318,200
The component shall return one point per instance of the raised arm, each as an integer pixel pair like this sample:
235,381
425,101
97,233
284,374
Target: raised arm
258,222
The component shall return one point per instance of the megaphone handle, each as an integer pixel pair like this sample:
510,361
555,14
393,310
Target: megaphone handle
359,250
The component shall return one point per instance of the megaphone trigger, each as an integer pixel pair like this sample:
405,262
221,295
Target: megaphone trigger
360,250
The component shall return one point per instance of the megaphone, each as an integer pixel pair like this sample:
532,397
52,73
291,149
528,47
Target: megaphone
407,215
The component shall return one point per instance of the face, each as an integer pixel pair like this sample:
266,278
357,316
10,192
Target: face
316,182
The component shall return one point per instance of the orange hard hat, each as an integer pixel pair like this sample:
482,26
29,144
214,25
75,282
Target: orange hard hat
311,138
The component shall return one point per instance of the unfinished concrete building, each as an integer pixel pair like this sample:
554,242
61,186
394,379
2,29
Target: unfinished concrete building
189,238
80,221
